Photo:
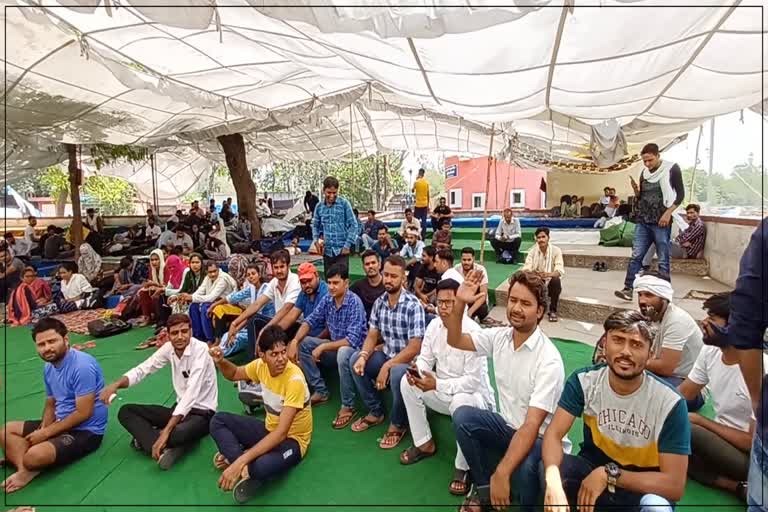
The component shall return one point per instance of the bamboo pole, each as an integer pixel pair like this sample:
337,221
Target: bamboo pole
487,185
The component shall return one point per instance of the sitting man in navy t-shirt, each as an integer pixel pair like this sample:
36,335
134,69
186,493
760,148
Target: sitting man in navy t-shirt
74,418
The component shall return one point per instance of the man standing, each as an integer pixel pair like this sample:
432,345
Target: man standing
252,451
659,194
371,287
460,378
636,432
371,229
421,201
507,237
341,312
397,320
74,418
335,222
546,260
506,447
678,337
166,433
479,308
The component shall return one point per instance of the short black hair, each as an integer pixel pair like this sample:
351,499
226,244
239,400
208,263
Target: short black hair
385,228
126,262
176,319
49,323
468,250
408,210
368,253
90,210
69,266
628,320
337,270
448,284
422,171
606,188
397,261
211,263
31,217
177,250
446,255
271,336
8,235
372,211
330,182
429,251
693,206
541,230
719,304
650,149
533,282
253,266
280,256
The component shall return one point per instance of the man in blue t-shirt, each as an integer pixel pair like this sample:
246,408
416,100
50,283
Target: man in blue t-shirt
637,437
74,418
312,290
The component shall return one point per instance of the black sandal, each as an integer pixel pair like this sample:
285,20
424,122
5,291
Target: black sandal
414,455
472,501
459,477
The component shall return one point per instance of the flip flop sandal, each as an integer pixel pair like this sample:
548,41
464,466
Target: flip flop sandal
364,424
77,347
414,455
245,489
398,436
90,344
219,461
337,425
459,477
320,401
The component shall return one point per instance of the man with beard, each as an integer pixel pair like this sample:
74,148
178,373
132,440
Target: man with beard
397,320
636,430
678,336
334,225
74,418
426,280
546,260
384,245
479,308
371,287
166,433
506,448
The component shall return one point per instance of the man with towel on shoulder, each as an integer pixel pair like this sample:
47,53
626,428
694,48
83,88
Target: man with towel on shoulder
678,337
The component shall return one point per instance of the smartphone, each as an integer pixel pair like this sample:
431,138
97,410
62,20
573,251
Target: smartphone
414,372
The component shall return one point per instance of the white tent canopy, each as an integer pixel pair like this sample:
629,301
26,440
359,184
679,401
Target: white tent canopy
323,81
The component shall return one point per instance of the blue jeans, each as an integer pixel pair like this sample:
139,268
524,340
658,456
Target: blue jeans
234,434
421,214
371,396
484,437
758,476
645,235
339,359
574,469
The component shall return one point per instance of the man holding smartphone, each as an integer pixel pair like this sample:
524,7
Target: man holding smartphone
459,378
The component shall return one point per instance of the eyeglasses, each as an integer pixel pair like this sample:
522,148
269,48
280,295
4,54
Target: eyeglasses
445,303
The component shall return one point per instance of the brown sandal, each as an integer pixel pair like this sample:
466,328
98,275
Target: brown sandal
343,419
470,502
397,436
460,478
364,424
413,455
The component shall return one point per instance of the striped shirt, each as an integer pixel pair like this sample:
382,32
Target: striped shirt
337,224
400,324
696,235
347,321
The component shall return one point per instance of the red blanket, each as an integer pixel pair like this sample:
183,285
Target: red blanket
77,321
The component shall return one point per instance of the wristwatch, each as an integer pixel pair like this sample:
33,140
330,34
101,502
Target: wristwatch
614,472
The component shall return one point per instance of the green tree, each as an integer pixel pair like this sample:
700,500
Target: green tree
55,180
113,196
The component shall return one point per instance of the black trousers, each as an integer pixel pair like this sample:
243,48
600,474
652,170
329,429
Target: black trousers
554,288
329,261
255,324
144,423
499,247
482,312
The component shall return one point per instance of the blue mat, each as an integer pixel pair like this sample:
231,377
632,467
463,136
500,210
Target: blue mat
526,222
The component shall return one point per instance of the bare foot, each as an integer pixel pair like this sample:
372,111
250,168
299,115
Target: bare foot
220,462
18,480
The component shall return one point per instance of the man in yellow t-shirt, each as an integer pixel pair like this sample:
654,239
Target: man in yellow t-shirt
252,451
421,201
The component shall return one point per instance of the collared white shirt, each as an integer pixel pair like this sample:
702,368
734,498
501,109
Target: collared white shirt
193,375
457,371
532,376
454,274
289,295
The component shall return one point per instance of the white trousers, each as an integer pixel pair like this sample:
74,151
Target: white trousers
416,403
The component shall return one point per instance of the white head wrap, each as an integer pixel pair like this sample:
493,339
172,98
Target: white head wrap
652,284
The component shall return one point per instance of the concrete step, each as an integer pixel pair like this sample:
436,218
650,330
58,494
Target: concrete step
617,258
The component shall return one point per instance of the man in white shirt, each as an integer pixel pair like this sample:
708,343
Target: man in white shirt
29,233
410,223
506,447
216,285
546,260
444,266
479,309
283,291
262,209
460,378
152,231
678,337
18,246
507,238
166,433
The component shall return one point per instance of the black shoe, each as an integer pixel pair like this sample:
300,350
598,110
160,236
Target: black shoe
245,490
596,267
169,457
624,294
135,445
603,267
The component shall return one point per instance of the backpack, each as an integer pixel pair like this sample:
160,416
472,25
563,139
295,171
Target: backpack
104,327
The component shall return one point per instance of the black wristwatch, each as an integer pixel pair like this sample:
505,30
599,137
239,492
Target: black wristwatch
614,472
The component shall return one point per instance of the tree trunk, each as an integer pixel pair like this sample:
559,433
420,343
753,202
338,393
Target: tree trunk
61,203
234,152
75,180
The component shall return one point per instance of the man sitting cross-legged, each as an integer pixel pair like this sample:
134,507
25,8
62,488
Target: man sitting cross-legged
636,432
506,448
252,451
397,320
341,312
166,433
460,378
74,418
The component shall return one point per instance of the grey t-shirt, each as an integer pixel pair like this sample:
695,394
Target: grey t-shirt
679,331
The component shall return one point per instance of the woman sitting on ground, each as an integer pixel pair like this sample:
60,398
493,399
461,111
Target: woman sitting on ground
191,280
31,300
226,309
198,238
90,266
151,292
124,284
76,292
217,250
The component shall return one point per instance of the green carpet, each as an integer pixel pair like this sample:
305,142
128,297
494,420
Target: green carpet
342,468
